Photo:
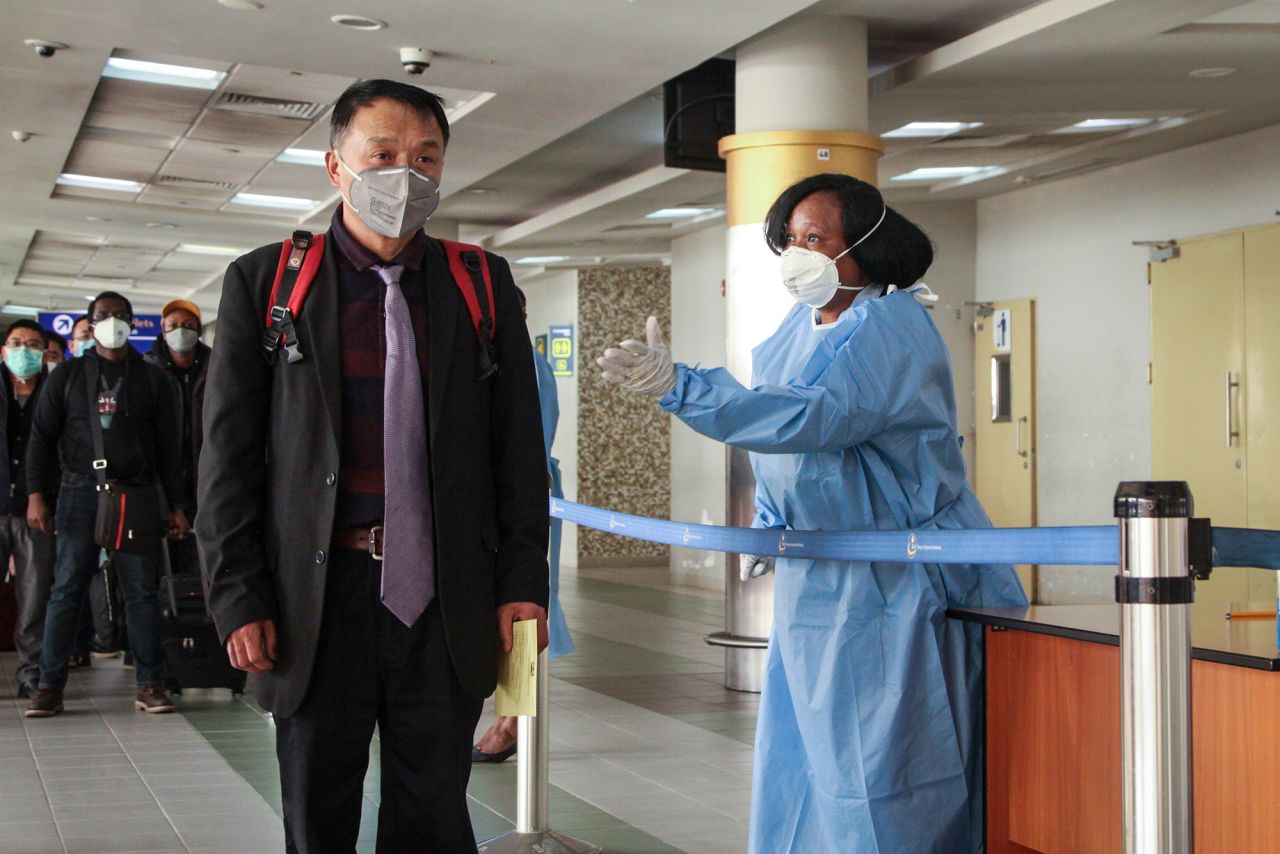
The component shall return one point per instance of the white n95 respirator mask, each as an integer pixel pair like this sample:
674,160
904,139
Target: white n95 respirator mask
112,333
811,277
393,201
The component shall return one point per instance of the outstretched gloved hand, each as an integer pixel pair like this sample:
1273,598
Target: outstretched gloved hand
754,566
643,366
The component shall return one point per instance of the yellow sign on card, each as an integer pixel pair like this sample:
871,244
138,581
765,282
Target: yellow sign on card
518,673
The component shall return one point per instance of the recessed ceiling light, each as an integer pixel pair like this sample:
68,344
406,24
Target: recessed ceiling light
98,218
302,156
242,5
477,191
163,73
1213,72
542,259
678,213
161,225
1103,125
93,182
202,249
926,130
257,200
938,173
20,310
359,22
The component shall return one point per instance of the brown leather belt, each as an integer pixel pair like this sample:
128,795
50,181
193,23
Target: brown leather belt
360,540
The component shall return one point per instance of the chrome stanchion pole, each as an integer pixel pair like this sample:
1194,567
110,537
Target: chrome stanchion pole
533,834
1154,590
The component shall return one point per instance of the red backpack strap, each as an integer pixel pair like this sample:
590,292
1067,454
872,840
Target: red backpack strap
300,258
470,268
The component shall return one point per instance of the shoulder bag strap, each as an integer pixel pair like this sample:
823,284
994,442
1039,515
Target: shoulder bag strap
95,422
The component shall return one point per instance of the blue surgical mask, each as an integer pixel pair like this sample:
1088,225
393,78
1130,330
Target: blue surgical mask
23,362
79,348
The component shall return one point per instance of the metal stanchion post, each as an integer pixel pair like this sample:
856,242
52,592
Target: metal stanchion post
1155,589
533,834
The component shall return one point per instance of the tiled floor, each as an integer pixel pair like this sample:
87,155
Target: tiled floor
649,752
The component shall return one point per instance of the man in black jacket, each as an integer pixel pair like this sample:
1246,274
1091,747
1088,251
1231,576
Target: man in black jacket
136,407
367,561
181,353
31,550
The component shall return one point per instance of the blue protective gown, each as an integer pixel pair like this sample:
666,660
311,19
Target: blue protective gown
869,738
558,629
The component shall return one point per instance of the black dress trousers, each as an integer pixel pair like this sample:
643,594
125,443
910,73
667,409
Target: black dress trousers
372,669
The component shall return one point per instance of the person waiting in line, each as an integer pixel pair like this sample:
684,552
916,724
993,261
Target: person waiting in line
138,411
384,440
55,352
31,550
870,729
499,741
81,336
181,353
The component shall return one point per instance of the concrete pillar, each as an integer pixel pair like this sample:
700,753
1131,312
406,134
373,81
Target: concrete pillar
800,109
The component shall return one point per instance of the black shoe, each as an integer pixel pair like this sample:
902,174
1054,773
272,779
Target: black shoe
478,755
79,661
27,690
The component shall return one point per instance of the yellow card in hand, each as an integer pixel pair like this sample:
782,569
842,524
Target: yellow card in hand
518,673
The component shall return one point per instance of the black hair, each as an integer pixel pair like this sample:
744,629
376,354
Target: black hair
51,337
896,253
86,318
25,323
427,105
108,295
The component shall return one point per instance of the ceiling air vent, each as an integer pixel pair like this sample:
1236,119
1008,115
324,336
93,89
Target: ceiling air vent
181,183
238,103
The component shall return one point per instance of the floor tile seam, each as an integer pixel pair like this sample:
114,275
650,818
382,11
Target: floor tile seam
164,812
44,788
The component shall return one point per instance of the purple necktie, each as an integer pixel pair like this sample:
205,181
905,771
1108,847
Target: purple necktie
408,554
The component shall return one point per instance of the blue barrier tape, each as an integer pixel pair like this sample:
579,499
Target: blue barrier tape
1091,545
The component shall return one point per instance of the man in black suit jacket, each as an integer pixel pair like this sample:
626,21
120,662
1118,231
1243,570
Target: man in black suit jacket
291,487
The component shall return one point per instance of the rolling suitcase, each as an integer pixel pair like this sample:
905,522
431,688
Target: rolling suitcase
193,655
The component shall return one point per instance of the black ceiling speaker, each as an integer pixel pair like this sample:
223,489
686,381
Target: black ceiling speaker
697,111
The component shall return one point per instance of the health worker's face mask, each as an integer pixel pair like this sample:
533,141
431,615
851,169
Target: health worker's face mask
392,201
79,348
23,362
181,340
112,333
811,277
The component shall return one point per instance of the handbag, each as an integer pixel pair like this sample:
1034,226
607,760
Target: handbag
129,518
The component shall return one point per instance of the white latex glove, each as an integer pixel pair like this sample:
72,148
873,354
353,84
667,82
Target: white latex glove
754,566
642,366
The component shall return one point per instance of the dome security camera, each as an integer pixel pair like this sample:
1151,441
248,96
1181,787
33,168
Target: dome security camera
415,59
44,47
20,135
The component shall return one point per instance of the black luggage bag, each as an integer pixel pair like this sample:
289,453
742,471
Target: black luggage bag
193,655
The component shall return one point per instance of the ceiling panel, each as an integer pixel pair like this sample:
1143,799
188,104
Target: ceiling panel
233,129
285,85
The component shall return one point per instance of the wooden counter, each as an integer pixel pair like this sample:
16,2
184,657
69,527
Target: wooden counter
1053,730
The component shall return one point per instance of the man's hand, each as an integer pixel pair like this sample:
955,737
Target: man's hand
177,524
252,647
38,513
513,612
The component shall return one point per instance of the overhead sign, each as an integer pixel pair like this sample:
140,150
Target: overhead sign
561,355
146,327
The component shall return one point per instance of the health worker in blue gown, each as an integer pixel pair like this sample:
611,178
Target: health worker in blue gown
869,738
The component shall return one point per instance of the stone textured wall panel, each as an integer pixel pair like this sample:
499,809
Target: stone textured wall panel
624,439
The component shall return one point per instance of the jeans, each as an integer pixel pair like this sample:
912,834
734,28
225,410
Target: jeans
32,553
76,564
